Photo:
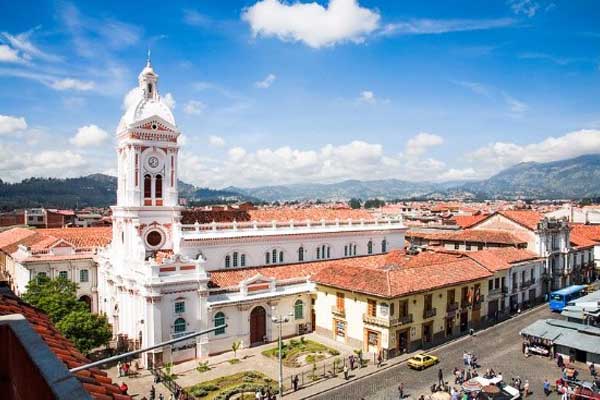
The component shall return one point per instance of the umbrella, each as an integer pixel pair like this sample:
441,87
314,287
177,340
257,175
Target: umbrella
440,396
491,389
472,386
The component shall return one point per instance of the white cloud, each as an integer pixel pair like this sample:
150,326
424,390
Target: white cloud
89,135
525,7
27,50
169,100
516,107
367,96
70,83
420,143
475,87
131,98
457,174
236,153
194,107
439,26
266,83
9,55
499,155
10,124
15,166
311,23
216,141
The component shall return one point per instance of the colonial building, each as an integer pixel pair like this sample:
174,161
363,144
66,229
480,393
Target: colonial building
396,303
166,273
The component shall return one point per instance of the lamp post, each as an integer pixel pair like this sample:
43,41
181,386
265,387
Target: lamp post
279,320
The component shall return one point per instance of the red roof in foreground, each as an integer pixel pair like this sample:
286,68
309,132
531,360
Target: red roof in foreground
502,258
43,239
95,381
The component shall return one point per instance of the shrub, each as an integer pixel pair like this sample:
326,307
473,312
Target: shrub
233,361
203,367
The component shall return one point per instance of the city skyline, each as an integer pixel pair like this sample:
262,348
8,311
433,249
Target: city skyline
268,92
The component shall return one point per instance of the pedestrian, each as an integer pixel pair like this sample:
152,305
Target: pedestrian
258,395
547,390
119,370
351,361
526,388
126,369
440,377
295,382
152,393
379,359
401,390
465,358
345,372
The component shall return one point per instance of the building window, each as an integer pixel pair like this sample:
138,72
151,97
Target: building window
274,256
318,253
84,275
63,275
491,284
468,246
227,261
243,260
267,257
235,258
299,309
354,250
281,256
41,275
179,325
301,253
158,186
328,252
371,308
147,186
479,247
346,251
180,307
456,246
370,247
383,246
219,320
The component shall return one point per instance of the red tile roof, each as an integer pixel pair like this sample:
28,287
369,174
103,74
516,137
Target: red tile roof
404,275
465,221
582,236
473,235
11,238
43,239
95,381
527,218
499,259
81,237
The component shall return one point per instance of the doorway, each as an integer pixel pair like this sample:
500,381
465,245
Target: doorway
258,325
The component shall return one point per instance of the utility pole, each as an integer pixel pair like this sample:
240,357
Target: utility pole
279,320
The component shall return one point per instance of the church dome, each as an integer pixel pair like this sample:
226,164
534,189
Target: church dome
144,101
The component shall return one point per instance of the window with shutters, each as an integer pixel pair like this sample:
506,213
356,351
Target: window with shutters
371,308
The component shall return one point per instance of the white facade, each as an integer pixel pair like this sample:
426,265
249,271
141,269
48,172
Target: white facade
154,278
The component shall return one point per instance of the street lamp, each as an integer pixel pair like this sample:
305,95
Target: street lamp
279,320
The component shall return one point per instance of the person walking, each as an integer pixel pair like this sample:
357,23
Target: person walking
345,372
526,388
401,390
440,377
295,383
379,359
119,369
547,390
152,393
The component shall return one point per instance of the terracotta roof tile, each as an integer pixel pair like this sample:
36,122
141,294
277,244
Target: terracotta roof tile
60,346
11,238
527,218
502,258
465,221
473,235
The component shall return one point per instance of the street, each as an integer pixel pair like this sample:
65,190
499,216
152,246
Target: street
498,347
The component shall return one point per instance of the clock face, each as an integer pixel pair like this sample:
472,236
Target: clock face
153,162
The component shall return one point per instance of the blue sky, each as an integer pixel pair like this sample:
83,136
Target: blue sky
269,92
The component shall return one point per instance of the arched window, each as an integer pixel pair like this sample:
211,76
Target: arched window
300,253
243,260
274,256
147,186
158,186
235,258
281,256
328,252
354,250
219,320
318,253
299,309
370,247
346,251
179,325
383,246
227,261
323,251
267,257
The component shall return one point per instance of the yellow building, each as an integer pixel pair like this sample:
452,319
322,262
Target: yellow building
396,303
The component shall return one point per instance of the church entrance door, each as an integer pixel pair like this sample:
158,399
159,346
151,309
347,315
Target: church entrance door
258,325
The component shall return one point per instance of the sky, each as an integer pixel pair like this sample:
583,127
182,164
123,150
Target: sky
277,92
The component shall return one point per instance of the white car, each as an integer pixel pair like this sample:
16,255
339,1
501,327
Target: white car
509,392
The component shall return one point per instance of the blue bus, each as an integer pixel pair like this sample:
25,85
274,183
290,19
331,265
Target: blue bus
560,298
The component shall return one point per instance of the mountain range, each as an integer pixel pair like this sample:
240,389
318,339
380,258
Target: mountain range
573,178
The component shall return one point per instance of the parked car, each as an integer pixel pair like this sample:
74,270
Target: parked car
422,361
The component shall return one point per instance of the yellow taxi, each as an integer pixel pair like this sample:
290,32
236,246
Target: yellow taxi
422,361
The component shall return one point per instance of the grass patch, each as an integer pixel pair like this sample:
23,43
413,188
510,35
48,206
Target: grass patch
297,353
224,387
233,361
203,367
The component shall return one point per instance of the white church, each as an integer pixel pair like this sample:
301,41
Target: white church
160,278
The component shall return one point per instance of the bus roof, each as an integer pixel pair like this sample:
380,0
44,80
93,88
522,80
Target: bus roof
569,290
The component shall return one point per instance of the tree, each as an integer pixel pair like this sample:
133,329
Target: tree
86,330
374,203
354,203
56,297
235,346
